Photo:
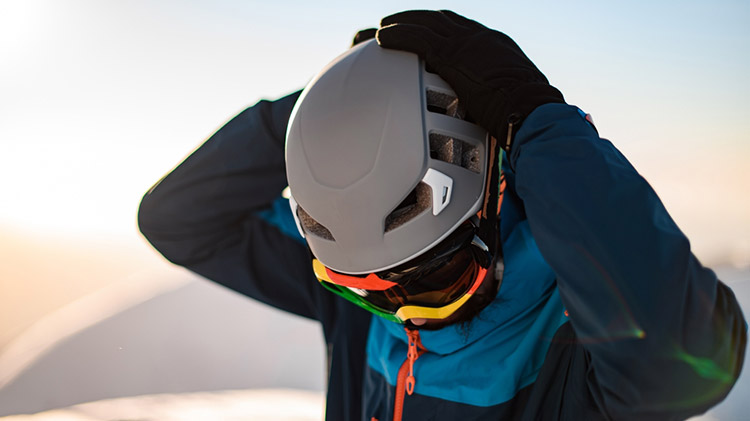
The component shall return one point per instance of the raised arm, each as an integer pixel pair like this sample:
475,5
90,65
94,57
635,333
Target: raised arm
220,213
666,338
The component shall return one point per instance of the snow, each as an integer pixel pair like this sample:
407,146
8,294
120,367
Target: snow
230,405
196,351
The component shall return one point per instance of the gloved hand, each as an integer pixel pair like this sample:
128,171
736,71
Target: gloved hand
497,83
363,35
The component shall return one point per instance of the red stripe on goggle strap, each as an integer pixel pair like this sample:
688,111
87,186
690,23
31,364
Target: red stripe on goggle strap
370,282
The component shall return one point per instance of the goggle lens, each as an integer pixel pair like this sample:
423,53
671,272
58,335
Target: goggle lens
433,283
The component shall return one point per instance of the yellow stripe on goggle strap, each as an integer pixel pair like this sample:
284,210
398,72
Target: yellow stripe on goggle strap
418,312
406,312
320,271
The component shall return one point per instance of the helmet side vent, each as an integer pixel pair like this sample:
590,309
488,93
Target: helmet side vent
313,227
444,103
418,200
455,151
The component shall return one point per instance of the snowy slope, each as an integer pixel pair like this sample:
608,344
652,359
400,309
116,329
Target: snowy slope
176,355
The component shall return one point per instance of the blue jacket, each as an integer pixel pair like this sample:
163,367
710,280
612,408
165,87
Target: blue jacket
603,313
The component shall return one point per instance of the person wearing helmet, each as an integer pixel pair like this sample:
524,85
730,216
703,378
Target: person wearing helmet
472,248
388,182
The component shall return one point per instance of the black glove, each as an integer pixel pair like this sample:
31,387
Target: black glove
497,83
363,36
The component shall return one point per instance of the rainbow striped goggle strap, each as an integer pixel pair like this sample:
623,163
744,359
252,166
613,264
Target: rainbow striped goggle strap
431,286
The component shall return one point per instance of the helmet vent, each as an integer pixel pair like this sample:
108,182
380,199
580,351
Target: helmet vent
454,151
444,103
418,200
313,227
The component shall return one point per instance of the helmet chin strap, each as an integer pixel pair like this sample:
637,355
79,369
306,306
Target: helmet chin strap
490,217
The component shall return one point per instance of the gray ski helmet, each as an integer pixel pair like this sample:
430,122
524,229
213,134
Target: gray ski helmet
380,163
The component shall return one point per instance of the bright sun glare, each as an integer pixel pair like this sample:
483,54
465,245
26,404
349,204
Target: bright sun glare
94,112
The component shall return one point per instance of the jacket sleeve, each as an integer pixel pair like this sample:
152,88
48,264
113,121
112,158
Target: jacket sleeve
220,213
665,337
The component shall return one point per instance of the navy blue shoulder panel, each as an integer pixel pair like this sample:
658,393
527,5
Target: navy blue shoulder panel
563,388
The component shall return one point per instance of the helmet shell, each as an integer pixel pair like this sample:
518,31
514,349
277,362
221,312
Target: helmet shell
377,173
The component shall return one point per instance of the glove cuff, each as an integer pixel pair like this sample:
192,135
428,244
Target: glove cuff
521,102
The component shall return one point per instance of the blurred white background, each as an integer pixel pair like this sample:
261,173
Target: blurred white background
98,99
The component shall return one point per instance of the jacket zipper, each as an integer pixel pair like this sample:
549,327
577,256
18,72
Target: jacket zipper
406,381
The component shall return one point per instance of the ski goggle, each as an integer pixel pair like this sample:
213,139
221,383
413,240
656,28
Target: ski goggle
431,286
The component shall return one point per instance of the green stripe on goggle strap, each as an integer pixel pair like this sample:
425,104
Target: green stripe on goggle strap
356,299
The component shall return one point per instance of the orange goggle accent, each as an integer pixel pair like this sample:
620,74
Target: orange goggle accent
371,282
433,285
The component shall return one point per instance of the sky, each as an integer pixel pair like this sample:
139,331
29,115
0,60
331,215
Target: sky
99,99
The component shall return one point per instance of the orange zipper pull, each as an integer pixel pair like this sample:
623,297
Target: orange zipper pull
412,354
405,382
